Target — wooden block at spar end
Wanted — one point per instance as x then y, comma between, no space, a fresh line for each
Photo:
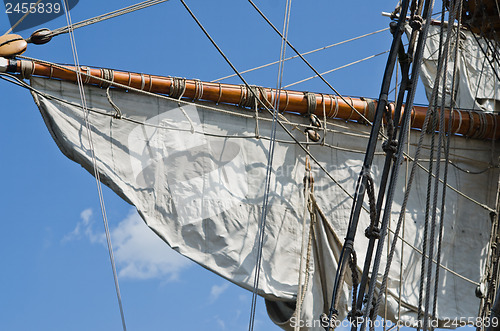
12,45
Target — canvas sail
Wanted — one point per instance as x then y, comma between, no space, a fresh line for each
196,176
476,83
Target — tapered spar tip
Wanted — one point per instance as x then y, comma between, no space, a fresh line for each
12,45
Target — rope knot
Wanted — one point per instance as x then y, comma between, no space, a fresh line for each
327,321
416,22
372,232
354,316
390,146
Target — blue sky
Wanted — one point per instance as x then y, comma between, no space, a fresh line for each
55,267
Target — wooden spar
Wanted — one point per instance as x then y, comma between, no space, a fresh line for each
473,124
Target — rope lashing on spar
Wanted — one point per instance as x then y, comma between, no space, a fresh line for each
177,88
251,95
27,68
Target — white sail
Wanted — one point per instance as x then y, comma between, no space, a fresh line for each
476,83
196,175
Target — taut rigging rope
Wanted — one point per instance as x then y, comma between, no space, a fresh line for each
100,18
303,54
95,166
270,157
395,170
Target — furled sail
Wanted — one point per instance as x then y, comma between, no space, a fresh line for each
196,174
476,79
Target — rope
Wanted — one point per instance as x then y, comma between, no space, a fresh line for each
270,151
177,90
353,265
309,267
457,9
94,161
257,131
104,17
372,231
296,56
115,107
390,194
304,60
335,69
307,193
428,239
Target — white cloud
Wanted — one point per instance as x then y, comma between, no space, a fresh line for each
217,290
84,228
222,325
139,252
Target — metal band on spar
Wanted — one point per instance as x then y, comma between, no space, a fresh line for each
472,124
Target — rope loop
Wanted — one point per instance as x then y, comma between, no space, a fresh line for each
88,74
220,94
109,76
198,90
249,96
470,131
263,97
118,113
177,88
370,114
